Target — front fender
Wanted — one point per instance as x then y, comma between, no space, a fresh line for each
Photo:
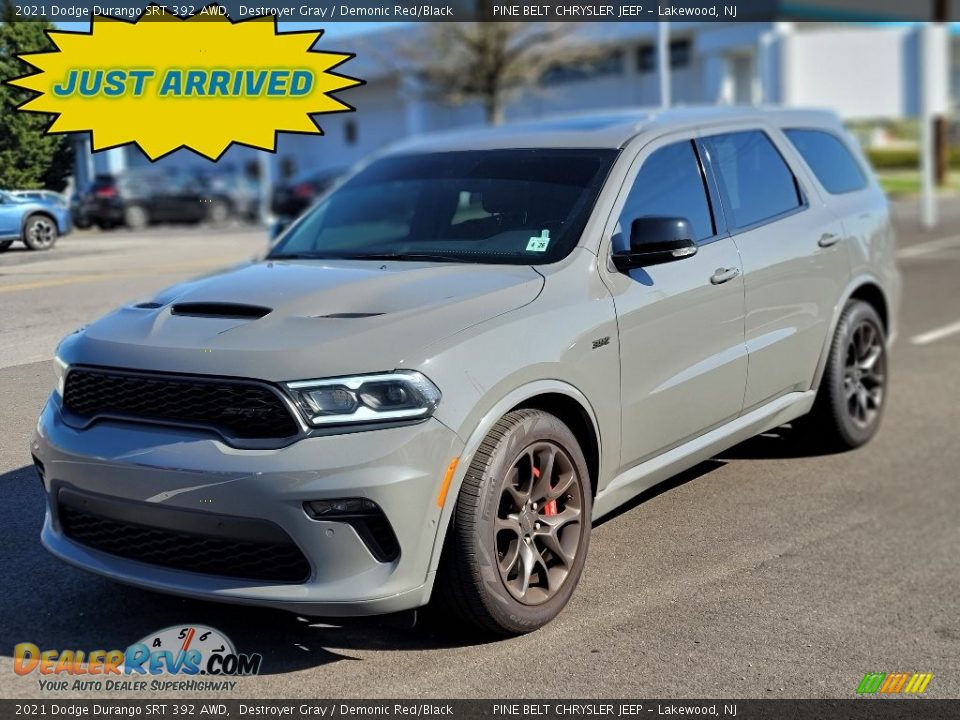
506,403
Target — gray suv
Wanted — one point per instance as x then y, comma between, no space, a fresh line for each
466,352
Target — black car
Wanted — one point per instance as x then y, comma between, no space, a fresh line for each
139,199
297,194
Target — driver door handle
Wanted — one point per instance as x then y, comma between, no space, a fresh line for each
828,239
722,275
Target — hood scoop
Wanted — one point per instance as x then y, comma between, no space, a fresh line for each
228,311
348,315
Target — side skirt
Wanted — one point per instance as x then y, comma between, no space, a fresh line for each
647,474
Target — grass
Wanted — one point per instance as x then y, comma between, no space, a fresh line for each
899,183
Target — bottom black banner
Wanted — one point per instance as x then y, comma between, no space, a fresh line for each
854,709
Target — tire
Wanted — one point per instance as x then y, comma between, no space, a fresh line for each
39,232
5,245
135,217
853,390
218,213
497,537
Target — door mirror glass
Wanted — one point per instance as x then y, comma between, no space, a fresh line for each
657,240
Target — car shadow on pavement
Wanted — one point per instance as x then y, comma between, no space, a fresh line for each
53,605
781,443
682,478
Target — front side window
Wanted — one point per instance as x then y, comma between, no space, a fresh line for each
831,161
669,184
756,183
518,206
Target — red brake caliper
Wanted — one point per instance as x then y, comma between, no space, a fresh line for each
549,508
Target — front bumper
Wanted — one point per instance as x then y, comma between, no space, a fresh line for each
155,468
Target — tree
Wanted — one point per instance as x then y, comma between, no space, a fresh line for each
487,62
28,157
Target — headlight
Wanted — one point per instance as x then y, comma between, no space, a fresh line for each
379,397
59,365
59,374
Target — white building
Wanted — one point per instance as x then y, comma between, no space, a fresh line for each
862,71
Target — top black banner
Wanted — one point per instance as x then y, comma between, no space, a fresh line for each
405,11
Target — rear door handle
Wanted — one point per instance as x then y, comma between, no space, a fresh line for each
828,239
722,275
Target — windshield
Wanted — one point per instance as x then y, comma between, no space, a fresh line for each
486,206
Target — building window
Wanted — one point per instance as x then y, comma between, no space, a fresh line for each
350,132
681,51
610,63
647,59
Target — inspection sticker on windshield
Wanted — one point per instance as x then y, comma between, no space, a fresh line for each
539,244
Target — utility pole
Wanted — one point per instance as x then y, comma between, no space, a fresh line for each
663,62
941,144
932,83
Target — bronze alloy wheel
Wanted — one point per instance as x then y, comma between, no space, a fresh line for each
864,373
520,530
853,389
537,531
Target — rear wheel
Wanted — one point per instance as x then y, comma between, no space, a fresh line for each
853,390
39,232
218,213
518,538
135,217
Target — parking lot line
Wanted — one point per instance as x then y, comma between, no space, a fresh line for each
928,247
936,334
93,277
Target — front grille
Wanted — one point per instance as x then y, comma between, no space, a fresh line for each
228,557
236,409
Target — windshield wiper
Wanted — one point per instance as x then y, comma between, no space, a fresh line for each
300,256
405,256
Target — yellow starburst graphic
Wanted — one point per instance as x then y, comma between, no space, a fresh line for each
202,82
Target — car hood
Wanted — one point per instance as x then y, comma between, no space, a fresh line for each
285,320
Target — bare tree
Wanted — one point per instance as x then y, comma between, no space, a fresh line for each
487,62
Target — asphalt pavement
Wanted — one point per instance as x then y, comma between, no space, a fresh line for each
760,573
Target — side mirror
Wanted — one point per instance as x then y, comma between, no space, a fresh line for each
656,240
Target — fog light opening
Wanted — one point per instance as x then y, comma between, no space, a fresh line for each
365,517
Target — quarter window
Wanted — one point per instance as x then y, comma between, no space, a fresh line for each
669,184
831,161
755,182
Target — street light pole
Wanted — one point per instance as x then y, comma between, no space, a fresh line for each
663,62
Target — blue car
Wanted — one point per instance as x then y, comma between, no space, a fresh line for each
36,224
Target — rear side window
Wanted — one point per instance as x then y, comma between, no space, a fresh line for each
669,184
756,183
831,161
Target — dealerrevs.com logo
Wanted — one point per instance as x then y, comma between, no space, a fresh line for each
187,651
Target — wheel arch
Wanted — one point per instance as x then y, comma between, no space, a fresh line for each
871,293
554,396
869,289
576,417
37,213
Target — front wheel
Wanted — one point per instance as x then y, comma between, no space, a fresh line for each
518,538
853,390
39,233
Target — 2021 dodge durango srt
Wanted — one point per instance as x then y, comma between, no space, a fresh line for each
472,348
